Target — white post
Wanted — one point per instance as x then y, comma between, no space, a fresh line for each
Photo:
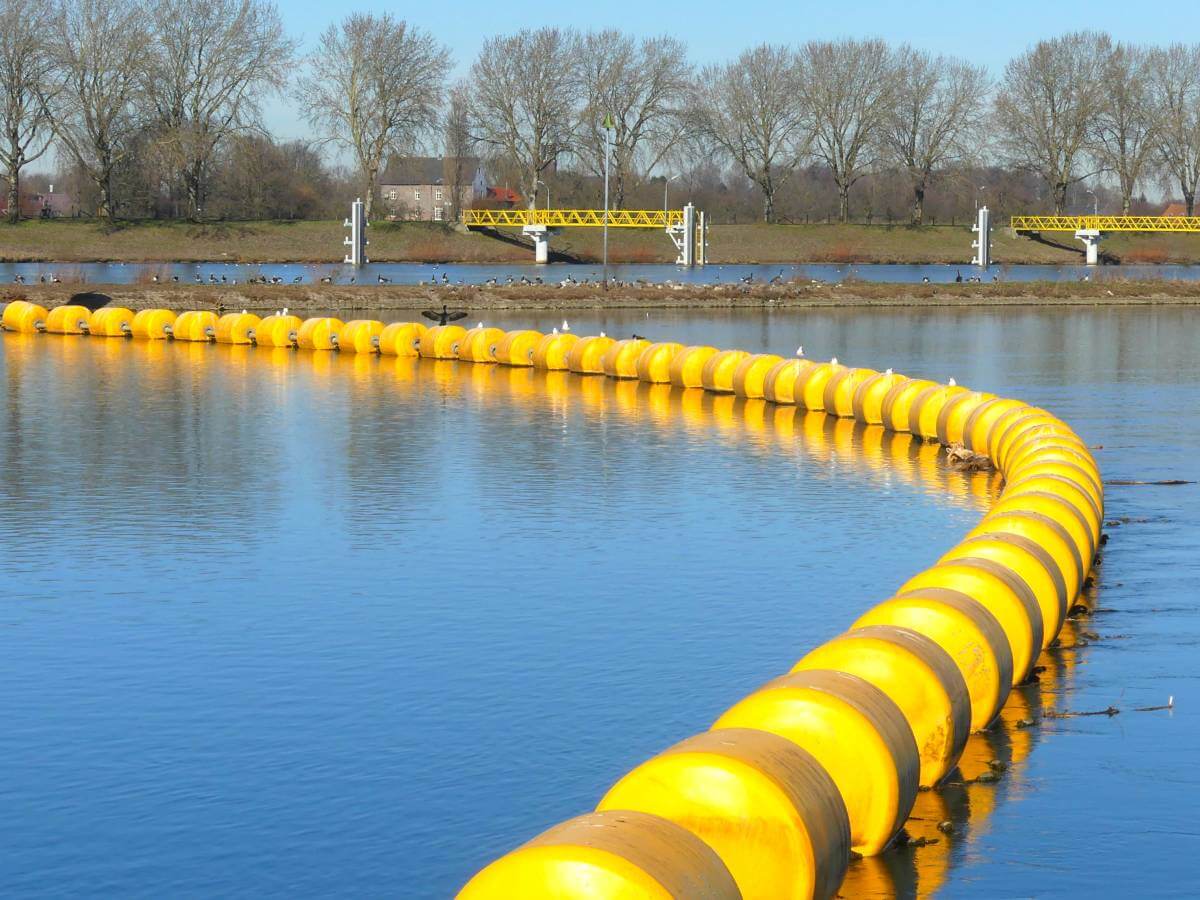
701,239
983,243
688,256
357,241
1091,238
541,242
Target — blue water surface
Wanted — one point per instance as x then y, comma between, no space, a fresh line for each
305,624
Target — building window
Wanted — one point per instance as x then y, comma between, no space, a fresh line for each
437,214
437,194
392,194
416,193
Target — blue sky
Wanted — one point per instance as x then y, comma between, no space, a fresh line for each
989,33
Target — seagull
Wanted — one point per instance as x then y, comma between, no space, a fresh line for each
565,326
952,382
888,372
478,324
285,311
800,350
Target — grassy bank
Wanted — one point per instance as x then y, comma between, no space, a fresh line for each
66,241
349,302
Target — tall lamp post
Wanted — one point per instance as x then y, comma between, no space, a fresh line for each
608,130
547,187
1095,202
665,183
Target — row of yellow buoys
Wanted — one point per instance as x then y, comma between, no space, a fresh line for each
823,761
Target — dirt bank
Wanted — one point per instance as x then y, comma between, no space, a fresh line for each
345,300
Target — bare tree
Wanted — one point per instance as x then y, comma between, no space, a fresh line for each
457,145
933,120
750,109
25,69
98,47
209,65
846,89
1048,103
525,93
1124,135
374,86
640,87
1175,83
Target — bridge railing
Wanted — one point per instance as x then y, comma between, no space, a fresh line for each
565,218
1170,224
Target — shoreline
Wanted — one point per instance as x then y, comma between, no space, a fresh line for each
343,298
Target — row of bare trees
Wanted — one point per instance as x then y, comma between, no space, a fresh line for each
177,81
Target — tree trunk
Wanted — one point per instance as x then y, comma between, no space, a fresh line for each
843,203
1189,199
1060,197
14,196
918,214
769,204
372,174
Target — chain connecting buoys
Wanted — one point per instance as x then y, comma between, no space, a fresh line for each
552,351
479,344
277,330
236,327
919,677
769,810
618,853
586,356
195,325
967,632
70,319
360,336
771,801
111,321
24,317
516,347
401,339
654,363
856,733
621,359
319,333
154,324
688,365
750,376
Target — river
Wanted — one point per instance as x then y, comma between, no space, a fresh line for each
284,624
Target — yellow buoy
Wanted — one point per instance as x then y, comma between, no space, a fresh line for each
277,330
780,384
360,336
654,364
926,406
688,365
981,421
1058,510
620,360
586,357
401,339
750,377
552,351
111,321
153,324
810,385
1047,533
768,809
479,344
195,325
856,733
952,420
516,347
898,401
867,404
23,316
69,319
236,327
919,677
967,632
1002,593
441,341
838,398
319,333
1068,489
612,854
1088,480
717,374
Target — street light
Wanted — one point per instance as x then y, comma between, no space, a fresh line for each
1095,202
665,183
536,182
978,190
608,130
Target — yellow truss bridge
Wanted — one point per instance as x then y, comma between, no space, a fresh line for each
573,218
1165,224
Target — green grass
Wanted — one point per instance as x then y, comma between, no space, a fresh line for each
66,241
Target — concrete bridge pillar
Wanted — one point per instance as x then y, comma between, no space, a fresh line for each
1091,238
541,242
